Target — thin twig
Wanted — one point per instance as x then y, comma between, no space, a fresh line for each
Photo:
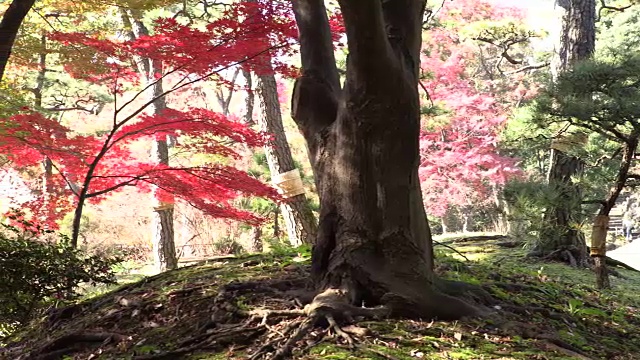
448,246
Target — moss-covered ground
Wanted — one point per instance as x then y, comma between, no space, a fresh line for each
541,311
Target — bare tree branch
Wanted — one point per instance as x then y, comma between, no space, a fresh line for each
604,6
9,26
528,67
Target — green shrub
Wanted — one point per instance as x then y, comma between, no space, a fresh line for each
36,273
279,247
227,246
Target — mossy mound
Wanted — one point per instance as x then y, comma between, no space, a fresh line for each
541,311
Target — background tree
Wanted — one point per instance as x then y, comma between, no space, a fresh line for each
601,97
9,26
299,220
577,43
90,159
471,94
164,249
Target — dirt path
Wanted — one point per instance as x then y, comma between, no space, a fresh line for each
628,254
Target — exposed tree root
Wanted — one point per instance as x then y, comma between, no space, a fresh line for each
332,309
528,331
479,238
70,343
237,335
530,310
614,262
459,289
568,352
329,307
566,255
510,244
563,255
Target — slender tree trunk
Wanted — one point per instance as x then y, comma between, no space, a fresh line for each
276,223
256,239
47,165
577,42
299,220
77,221
47,186
164,248
9,26
601,223
163,237
374,242
466,218
298,217
502,222
249,100
225,101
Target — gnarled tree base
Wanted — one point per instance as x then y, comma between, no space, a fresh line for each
574,256
332,308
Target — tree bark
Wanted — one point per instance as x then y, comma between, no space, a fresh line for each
443,223
9,26
298,218
465,212
578,36
374,241
47,164
276,223
163,237
577,42
249,100
563,217
601,225
256,239
164,247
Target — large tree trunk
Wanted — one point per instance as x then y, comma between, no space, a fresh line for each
578,36
374,241
9,26
577,42
298,217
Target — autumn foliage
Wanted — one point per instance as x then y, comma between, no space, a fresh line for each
460,159
90,166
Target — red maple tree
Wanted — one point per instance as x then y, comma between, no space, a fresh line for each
460,158
90,166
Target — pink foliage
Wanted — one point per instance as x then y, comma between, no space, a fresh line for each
460,158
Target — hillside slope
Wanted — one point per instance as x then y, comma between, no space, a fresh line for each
540,311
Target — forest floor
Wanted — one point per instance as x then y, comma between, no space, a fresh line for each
204,311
